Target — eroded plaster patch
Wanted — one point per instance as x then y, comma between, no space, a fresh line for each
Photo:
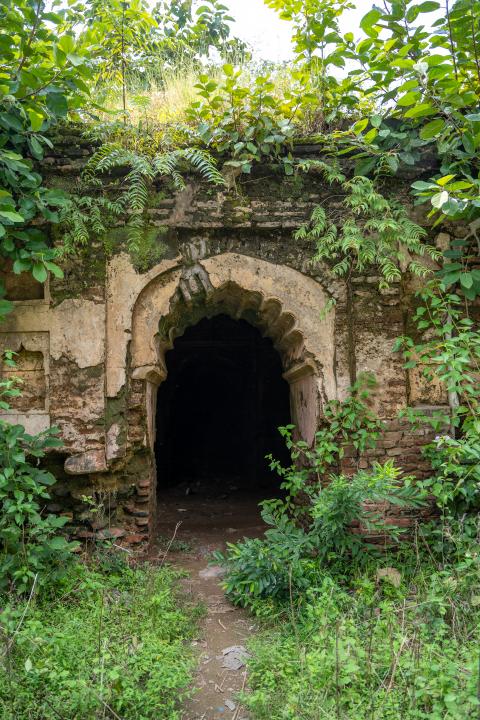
77,332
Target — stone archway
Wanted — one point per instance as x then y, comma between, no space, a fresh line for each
145,313
281,302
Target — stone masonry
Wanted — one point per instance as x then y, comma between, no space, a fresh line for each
91,347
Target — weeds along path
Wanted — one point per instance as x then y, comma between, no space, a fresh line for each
207,524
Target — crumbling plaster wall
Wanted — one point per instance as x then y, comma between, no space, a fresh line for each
103,340
71,339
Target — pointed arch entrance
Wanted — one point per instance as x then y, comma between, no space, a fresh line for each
280,303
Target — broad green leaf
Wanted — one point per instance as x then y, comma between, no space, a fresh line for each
409,85
409,99
369,20
432,129
370,136
58,543
39,272
364,166
12,216
392,162
439,199
450,278
36,120
422,185
444,180
459,185
428,6
66,43
466,280
35,148
75,60
360,126
57,104
20,266
468,143
422,110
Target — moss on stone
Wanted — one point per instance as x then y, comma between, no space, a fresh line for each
150,249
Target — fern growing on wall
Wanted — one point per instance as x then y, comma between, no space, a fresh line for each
87,215
95,213
141,172
368,231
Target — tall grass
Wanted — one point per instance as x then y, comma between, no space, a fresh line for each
163,95
155,98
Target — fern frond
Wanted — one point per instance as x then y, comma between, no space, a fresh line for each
99,156
331,172
137,192
301,233
419,269
204,163
390,270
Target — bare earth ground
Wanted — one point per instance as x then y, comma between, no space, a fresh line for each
207,523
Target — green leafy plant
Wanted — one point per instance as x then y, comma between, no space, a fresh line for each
447,349
30,544
349,422
370,231
398,639
458,269
320,51
291,559
119,32
455,484
31,548
186,32
43,78
105,640
247,122
313,526
431,77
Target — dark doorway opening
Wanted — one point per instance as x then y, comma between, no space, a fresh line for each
218,414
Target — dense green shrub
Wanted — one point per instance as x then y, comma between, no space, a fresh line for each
312,526
31,548
291,559
108,641
373,651
246,120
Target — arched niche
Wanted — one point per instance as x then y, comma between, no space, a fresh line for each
283,303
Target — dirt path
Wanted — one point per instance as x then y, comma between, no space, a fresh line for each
206,525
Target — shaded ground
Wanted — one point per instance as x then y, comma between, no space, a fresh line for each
208,520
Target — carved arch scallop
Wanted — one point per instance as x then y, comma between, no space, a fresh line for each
283,303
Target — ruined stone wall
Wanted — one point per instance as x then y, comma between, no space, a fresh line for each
91,347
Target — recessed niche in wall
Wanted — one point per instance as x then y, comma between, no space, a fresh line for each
31,368
30,371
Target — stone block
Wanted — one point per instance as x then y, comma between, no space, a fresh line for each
111,533
92,461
